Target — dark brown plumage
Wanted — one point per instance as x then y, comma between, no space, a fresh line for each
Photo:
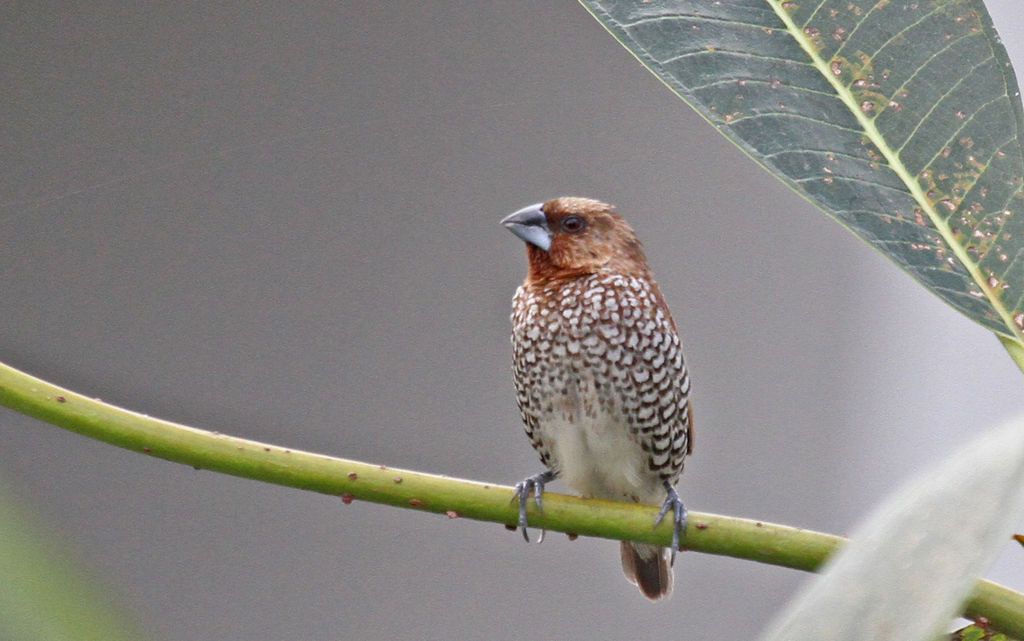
598,368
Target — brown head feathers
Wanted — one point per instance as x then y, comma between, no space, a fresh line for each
583,236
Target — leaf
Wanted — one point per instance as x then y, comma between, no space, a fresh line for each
976,633
910,565
45,595
900,119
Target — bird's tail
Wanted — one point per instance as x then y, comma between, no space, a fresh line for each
648,567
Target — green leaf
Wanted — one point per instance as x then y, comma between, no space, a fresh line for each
45,595
900,119
910,565
976,633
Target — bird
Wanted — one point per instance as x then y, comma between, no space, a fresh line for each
600,379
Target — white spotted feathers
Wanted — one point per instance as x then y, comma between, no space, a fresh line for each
598,359
599,372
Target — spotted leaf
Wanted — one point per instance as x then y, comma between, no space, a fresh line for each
900,119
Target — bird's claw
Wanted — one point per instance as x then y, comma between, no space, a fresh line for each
523,488
673,502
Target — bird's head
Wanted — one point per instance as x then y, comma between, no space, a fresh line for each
571,237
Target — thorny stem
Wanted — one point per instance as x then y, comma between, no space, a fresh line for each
740,538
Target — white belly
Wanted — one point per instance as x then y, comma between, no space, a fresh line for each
597,456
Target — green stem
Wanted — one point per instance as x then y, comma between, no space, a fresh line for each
1003,607
352,480
1015,348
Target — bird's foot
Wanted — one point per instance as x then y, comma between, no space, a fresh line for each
535,484
673,502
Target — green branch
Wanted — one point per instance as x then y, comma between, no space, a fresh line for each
354,480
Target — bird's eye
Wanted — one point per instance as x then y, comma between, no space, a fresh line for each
573,224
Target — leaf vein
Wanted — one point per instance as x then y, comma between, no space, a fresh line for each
853,179
894,36
966,121
935,105
798,116
760,81
731,52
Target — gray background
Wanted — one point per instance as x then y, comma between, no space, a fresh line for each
281,223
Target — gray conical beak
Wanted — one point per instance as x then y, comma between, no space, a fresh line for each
531,225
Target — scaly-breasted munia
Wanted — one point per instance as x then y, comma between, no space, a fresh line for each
599,372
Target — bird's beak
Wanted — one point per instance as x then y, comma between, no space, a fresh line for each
531,225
